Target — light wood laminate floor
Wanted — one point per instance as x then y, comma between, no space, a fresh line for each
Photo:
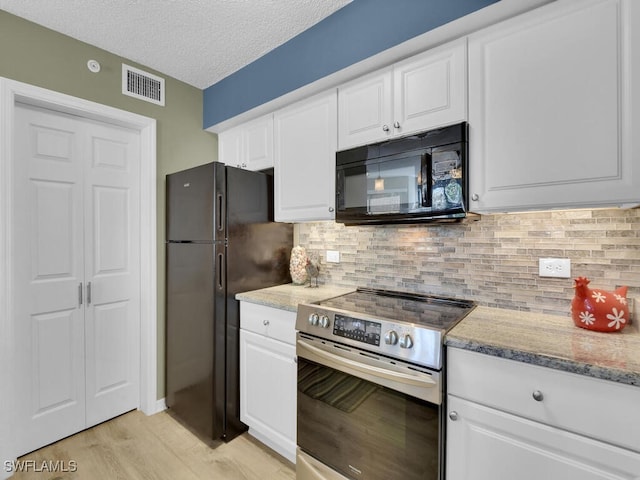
134,446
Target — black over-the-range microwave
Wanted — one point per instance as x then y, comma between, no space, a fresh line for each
413,179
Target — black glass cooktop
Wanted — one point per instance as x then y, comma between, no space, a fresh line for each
425,310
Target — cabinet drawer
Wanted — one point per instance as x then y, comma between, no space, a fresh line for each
268,321
601,409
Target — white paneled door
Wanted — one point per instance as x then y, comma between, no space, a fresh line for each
76,278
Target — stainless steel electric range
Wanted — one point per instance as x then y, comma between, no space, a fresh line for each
370,385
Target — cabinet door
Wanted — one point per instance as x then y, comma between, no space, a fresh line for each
487,444
230,147
548,109
258,144
365,110
305,156
268,391
249,145
430,90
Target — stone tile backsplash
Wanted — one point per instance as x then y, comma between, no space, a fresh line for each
493,261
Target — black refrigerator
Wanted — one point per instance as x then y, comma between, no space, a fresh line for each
221,240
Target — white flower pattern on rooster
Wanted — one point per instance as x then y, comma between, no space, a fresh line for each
620,298
587,318
617,318
599,296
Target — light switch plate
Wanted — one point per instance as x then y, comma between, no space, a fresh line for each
333,256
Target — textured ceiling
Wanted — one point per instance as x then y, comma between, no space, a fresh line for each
196,41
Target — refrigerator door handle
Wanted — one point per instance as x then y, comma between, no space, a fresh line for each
220,271
220,212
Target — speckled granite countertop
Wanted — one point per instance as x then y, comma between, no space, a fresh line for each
287,297
550,341
546,340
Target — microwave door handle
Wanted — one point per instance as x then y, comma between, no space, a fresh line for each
335,361
426,167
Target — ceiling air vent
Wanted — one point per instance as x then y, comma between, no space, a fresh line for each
142,85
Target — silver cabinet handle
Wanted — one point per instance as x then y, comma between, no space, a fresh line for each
538,396
88,293
244,165
396,124
475,197
385,128
80,294
331,209
265,322
453,416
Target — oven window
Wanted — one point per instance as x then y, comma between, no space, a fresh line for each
364,430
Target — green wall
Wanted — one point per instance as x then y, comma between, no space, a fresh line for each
36,55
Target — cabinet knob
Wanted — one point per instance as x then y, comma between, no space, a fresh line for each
385,128
396,124
265,322
331,209
537,396
453,415
244,165
475,197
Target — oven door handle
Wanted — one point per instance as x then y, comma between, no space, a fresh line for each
340,363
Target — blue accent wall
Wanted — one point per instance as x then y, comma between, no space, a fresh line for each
359,30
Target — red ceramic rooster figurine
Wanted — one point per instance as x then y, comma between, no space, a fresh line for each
599,310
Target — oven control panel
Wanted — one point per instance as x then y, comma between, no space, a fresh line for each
357,329
396,339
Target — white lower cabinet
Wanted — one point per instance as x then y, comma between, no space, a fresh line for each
489,444
509,420
268,373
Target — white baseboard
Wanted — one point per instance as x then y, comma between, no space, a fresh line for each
159,406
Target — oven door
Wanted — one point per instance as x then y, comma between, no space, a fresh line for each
356,415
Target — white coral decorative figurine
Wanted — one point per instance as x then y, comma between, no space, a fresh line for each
297,265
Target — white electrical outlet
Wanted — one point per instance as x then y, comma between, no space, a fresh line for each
333,256
554,267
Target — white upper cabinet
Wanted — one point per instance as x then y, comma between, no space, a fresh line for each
305,158
551,108
422,92
249,145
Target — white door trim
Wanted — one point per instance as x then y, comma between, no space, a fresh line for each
11,92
